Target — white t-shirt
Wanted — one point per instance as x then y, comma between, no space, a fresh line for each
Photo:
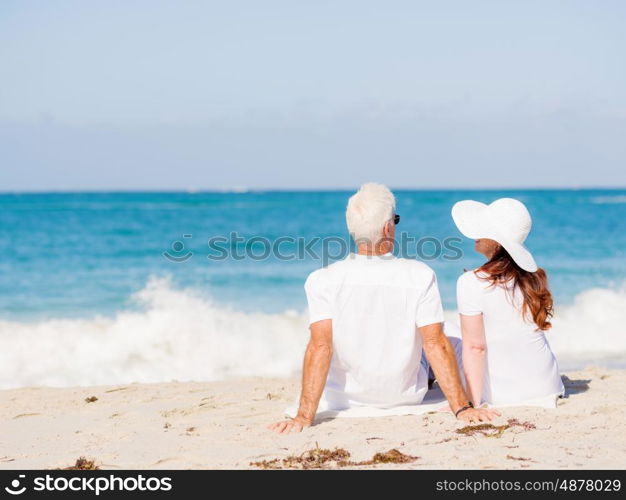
520,366
375,303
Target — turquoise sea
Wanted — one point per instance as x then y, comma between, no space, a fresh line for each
116,287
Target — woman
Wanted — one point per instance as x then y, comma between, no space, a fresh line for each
505,307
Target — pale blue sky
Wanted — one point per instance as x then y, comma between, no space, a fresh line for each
311,94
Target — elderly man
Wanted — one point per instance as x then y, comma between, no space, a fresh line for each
372,315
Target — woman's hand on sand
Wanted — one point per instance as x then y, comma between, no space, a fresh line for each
477,415
286,426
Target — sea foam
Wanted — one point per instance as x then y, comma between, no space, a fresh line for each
182,335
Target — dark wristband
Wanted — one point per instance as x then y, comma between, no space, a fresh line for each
463,408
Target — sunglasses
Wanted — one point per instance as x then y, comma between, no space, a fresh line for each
396,219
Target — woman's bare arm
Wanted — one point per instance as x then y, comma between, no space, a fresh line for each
474,350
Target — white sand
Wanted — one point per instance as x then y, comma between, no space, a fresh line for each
222,425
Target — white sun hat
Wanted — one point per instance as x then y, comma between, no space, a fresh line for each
506,221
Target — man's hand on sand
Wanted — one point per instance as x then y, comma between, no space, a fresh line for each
477,415
286,426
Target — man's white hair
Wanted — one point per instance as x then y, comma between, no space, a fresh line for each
368,211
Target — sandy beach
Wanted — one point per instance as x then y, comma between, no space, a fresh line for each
181,425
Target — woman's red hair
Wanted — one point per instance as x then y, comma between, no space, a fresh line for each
501,269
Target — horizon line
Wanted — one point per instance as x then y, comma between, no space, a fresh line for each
243,190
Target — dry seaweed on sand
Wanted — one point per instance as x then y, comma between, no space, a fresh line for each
519,459
26,415
83,464
115,389
319,458
316,458
392,456
490,430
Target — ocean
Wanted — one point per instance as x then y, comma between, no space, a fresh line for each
103,288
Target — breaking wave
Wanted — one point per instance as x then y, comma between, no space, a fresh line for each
181,335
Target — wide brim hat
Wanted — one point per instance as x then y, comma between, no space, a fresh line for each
506,221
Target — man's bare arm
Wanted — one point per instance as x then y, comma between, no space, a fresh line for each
441,357
314,372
